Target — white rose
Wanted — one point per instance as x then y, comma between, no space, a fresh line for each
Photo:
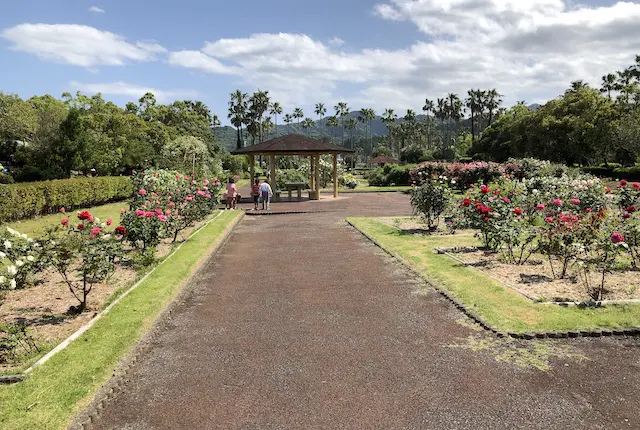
2,280
19,263
30,258
2,255
24,236
12,270
96,220
7,244
106,237
30,240
12,284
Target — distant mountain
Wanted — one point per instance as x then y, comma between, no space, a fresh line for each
534,106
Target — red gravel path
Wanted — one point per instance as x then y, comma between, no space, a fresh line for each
300,323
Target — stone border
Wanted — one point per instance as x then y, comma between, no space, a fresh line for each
632,331
117,382
264,213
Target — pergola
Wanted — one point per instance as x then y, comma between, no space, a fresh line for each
295,145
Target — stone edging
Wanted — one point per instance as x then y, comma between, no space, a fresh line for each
633,331
264,213
117,382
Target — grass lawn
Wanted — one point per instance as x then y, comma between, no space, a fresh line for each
501,307
54,392
35,227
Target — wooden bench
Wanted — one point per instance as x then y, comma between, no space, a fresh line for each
298,186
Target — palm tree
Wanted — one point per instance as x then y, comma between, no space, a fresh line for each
320,111
429,107
389,119
351,124
298,113
410,116
215,123
307,124
369,115
342,110
288,119
259,104
275,110
474,102
267,125
608,84
333,123
493,101
237,113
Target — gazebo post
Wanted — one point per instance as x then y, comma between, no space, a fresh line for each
313,183
335,175
252,169
274,181
317,180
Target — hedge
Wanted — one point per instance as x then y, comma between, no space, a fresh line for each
628,173
25,200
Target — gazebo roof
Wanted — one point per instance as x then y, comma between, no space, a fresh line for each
383,159
292,144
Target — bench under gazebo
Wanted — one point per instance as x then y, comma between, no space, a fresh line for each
295,145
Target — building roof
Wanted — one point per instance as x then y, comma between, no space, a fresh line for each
383,159
292,144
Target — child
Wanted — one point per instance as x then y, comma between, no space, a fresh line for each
232,191
266,193
255,192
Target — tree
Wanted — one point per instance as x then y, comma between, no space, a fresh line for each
298,114
342,110
288,119
307,124
320,111
333,123
351,124
258,106
237,113
187,154
276,110
493,100
389,119
608,84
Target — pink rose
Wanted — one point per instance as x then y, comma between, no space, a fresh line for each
95,230
539,207
162,218
167,212
575,201
617,238
109,221
140,213
557,202
172,204
150,214
589,210
142,192
65,222
62,210
158,211
548,220
208,196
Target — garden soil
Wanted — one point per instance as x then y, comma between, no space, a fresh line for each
299,322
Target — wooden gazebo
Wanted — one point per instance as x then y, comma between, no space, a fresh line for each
296,145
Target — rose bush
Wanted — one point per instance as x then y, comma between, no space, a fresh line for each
22,256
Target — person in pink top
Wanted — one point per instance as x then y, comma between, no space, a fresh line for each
232,192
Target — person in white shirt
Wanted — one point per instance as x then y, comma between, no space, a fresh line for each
265,193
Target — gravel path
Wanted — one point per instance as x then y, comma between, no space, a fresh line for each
300,323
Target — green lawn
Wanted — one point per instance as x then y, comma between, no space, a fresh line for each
35,227
501,307
364,187
54,392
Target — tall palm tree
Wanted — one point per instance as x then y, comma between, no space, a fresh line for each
215,123
342,110
369,115
608,84
259,105
298,114
493,100
320,111
389,119
275,110
410,116
288,119
351,124
333,123
307,124
429,107
474,103
237,113
267,125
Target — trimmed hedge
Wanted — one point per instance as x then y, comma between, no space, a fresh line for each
628,173
25,200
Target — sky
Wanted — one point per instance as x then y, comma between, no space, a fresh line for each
379,54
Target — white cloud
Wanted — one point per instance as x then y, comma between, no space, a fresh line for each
96,9
528,50
133,91
336,41
79,45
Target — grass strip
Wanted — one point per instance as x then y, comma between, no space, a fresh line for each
499,306
54,392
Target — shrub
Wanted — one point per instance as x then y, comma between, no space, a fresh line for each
26,200
390,174
83,254
348,181
289,175
24,257
430,201
15,339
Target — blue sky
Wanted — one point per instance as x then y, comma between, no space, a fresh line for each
391,53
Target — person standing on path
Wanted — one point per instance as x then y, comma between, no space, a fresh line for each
265,193
255,193
232,191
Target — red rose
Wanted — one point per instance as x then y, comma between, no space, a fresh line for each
80,227
617,238
121,230
517,211
636,185
548,220
623,182
485,219
631,209
65,222
109,221
626,215
466,202
484,189
85,215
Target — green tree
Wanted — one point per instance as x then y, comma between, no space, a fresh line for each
307,124
320,111
298,114
237,114
275,110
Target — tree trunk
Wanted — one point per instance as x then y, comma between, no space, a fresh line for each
473,128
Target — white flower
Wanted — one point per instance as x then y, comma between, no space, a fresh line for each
7,244
106,237
53,243
30,240
103,225
2,280
13,232
2,255
12,284
19,263
12,270
24,236
453,181
96,220
30,258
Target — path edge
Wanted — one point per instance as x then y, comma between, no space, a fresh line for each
630,331
83,419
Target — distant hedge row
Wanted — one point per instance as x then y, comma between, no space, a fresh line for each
628,173
25,200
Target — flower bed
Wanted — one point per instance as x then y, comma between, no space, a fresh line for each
55,283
